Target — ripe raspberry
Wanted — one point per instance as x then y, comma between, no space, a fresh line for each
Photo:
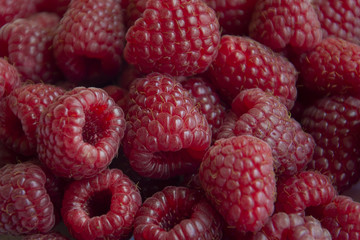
134,10
334,124
163,128
27,44
9,78
11,10
89,41
288,22
261,115
45,236
305,189
238,177
180,38
331,67
339,18
177,213
25,205
342,218
234,15
101,207
243,63
20,113
80,133
284,226
208,101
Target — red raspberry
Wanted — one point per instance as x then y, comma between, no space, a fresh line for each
80,133
261,115
334,124
331,67
177,213
25,204
339,18
28,45
238,177
134,11
101,207
305,189
20,113
163,128
89,41
180,38
9,78
243,63
342,218
207,100
234,15
289,22
45,236
283,226
11,10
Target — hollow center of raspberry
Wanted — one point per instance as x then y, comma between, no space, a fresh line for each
172,218
99,203
95,126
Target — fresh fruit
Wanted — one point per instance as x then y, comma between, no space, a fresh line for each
179,38
238,178
243,63
11,10
164,128
79,134
9,78
177,213
89,41
101,207
285,22
20,114
25,204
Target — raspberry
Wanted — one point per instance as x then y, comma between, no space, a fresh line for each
27,44
180,38
238,177
163,128
20,113
80,133
45,236
284,226
243,63
342,218
339,18
25,205
134,10
334,124
11,10
9,78
208,101
89,41
234,15
305,189
101,207
281,23
177,213
261,115
331,67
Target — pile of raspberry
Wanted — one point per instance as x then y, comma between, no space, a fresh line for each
180,119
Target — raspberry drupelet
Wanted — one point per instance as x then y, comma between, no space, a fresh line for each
177,213
285,22
238,178
166,134
20,114
260,114
26,207
243,63
101,207
89,41
179,38
79,134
